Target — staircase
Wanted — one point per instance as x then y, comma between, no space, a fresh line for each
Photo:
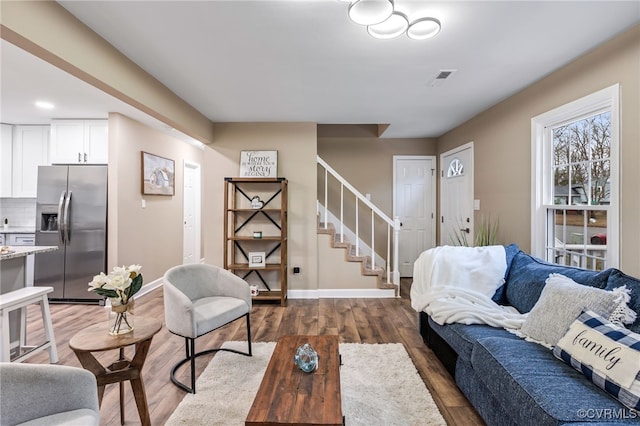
368,269
377,270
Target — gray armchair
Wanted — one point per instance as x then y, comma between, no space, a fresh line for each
47,395
199,299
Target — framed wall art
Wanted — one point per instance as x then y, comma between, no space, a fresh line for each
158,175
258,163
257,259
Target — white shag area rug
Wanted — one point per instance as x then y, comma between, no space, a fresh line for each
380,386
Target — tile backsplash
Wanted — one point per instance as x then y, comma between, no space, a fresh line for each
19,211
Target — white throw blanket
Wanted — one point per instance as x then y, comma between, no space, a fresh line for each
455,284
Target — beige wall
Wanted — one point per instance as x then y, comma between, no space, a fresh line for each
296,146
502,137
365,160
151,236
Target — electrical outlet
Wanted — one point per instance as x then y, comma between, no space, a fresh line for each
296,269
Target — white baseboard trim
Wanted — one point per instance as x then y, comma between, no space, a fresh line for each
146,289
342,294
336,293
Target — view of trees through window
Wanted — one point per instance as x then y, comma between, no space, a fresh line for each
581,170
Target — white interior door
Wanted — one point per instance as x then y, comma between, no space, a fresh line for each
456,195
191,233
414,204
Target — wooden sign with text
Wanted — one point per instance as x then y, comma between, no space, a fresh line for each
259,163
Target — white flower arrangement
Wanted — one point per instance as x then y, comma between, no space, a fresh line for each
120,285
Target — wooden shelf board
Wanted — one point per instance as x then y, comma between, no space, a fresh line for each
245,267
255,210
249,238
255,179
268,295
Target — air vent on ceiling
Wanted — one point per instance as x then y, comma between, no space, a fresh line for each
441,77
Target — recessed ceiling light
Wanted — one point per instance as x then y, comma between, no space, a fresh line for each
45,105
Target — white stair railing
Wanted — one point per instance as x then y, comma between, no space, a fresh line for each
393,225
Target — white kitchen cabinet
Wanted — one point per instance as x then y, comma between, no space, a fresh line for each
21,239
79,142
6,155
24,240
30,150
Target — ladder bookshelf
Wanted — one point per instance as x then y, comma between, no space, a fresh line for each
255,234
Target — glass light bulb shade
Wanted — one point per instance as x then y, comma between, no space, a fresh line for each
423,28
370,12
391,28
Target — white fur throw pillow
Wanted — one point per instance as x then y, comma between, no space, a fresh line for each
561,302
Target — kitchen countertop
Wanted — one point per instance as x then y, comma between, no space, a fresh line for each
21,251
18,230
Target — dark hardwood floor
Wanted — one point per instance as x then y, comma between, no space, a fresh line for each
354,320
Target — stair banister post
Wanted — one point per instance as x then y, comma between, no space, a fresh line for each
342,213
373,240
357,230
388,266
326,204
396,243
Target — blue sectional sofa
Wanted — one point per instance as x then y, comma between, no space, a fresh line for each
511,381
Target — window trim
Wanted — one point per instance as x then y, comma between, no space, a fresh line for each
541,158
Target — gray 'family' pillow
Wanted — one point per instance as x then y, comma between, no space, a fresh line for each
561,302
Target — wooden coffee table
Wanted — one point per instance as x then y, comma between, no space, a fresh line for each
287,395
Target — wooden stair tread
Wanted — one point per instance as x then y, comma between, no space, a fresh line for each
350,256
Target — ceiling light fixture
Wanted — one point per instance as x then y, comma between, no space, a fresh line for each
391,28
423,28
45,105
384,22
370,12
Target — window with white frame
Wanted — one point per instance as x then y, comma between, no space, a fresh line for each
575,182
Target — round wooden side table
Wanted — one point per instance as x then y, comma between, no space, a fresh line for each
97,339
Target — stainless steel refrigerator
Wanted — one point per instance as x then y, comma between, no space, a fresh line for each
71,213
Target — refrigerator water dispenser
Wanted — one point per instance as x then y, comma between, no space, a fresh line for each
49,222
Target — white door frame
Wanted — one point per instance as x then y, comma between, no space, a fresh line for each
197,208
442,170
432,158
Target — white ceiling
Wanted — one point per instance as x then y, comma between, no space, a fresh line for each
304,60
26,79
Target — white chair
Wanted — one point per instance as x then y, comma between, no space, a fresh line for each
47,395
199,299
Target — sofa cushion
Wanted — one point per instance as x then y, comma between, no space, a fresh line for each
527,276
560,303
489,408
618,279
607,354
462,337
532,385
510,252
